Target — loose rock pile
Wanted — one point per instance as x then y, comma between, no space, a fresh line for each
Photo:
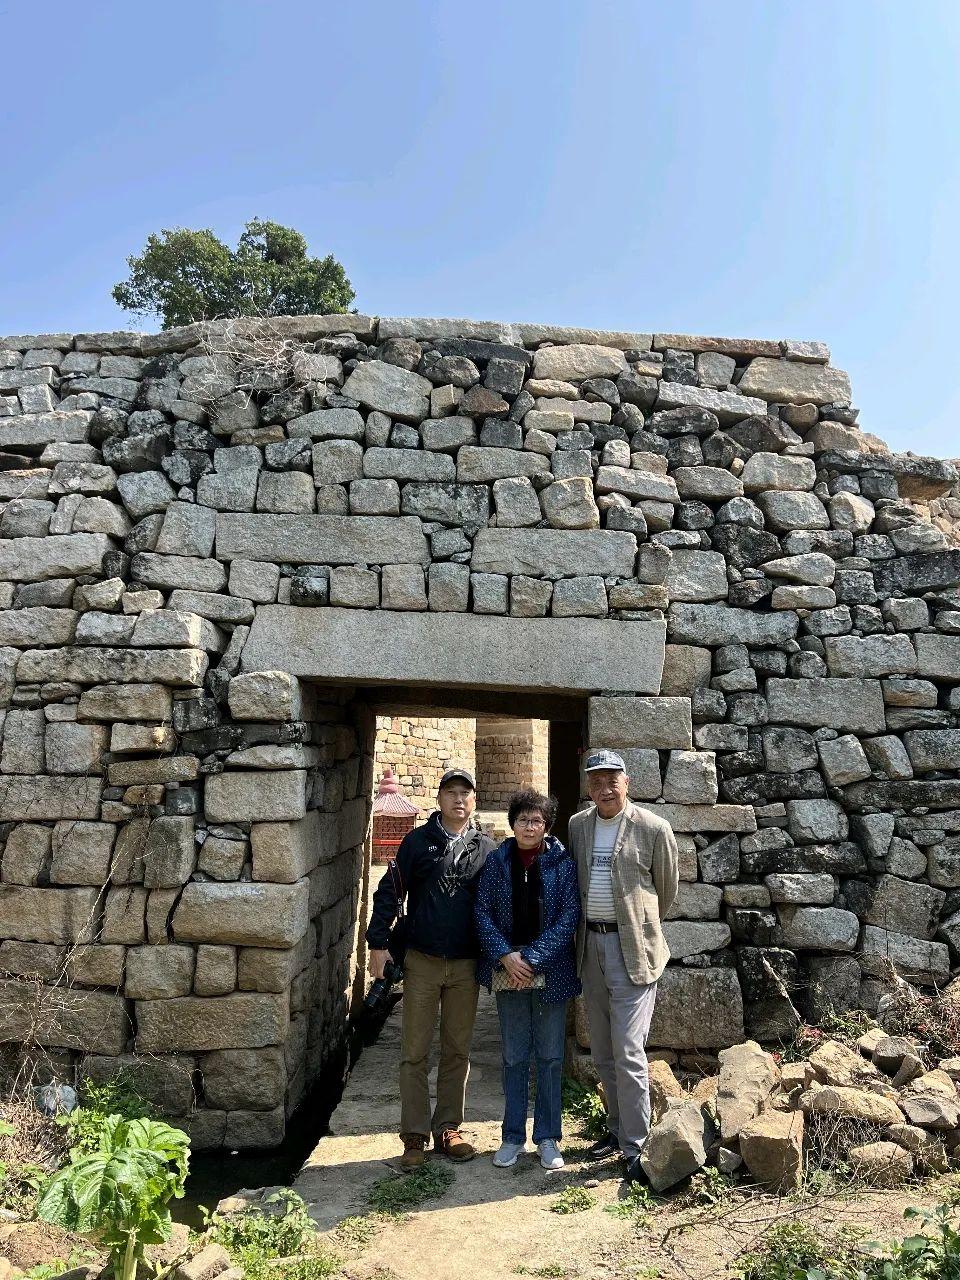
875,1108
183,818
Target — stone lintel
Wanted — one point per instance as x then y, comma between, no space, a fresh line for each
357,646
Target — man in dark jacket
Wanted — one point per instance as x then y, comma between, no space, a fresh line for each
439,867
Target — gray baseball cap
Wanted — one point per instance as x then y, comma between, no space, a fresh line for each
452,775
603,760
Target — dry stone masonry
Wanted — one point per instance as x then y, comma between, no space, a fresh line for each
420,749
203,554
511,753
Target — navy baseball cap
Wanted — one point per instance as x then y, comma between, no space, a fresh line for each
452,775
603,760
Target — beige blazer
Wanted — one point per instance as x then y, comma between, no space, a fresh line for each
645,870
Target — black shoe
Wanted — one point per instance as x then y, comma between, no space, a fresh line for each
635,1173
607,1146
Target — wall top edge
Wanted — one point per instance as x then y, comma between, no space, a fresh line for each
311,328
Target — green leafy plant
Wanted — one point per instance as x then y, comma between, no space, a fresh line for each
119,1194
57,1266
184,275
85,1124
638,1204
396,1195
799,1251
281,1243
932,1254
573,1200
585,1107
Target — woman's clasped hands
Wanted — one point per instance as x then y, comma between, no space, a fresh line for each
520,973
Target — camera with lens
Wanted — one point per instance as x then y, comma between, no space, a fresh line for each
379,993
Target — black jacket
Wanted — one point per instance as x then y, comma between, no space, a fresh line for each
440,900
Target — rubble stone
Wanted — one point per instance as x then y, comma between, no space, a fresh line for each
677,1146
772,1147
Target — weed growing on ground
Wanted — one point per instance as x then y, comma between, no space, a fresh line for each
821,1184
405,1191
637,1205
359,1230
932,1254
711,1187
585,1106
573,1200
20,1182
31,1148
551,1271
280,1244
57,1266
798,1251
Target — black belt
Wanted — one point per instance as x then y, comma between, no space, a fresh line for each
602,926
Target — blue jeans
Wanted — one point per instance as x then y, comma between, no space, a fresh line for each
531,1028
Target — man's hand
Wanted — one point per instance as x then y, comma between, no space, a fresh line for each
517,968
378,961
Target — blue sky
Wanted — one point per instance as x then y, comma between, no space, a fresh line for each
756,167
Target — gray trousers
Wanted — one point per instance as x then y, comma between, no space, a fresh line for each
619,1013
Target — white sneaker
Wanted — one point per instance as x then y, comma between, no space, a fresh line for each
507,1154
550,1157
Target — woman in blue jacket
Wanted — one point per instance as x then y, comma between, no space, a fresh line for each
527,911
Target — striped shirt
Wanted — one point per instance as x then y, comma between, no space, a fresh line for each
600,905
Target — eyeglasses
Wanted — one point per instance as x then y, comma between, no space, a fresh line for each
529,822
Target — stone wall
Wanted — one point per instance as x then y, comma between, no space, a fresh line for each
511,753
183,819
420,749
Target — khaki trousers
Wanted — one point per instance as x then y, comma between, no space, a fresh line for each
432,984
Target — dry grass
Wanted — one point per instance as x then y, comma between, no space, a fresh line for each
34,1139
827,1140
934,1020
252,356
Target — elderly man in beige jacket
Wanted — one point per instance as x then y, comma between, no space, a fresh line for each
627,865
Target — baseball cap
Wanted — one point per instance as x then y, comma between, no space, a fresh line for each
453,774
603,760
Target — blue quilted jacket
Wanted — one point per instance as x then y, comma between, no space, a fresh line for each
553,953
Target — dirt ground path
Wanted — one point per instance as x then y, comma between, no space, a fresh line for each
494,1223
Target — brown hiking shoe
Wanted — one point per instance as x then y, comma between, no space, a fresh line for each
414,1152
453,1146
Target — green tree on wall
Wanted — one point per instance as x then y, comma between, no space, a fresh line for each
185,275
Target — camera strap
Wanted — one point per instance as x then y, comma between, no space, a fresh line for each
396,880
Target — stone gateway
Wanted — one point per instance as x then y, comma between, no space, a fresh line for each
215,572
